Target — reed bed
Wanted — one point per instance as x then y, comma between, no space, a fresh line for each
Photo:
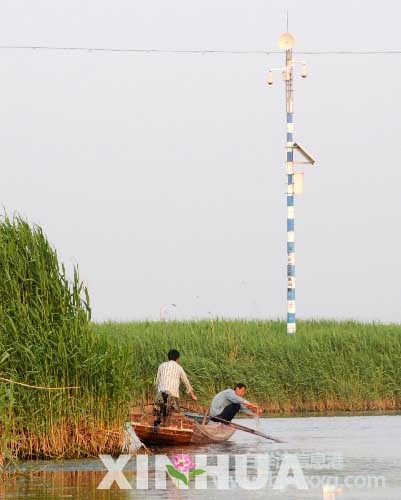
327,365
47,340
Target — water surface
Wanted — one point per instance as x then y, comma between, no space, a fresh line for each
362,447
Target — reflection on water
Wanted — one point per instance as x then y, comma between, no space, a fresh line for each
359,445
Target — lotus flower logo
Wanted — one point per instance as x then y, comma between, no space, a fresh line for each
183,463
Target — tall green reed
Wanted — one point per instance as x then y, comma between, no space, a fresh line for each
46,339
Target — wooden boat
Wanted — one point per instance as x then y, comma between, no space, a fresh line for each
179,429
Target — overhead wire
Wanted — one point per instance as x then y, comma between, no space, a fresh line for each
194,51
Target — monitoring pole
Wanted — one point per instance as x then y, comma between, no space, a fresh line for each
294,180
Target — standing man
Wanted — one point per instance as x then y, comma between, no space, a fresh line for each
169,375
226,404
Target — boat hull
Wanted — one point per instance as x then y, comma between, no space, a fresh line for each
178,430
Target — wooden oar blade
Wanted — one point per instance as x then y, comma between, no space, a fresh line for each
251,431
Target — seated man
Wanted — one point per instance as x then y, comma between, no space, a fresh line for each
226,404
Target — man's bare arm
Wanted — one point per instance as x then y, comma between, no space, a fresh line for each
190,391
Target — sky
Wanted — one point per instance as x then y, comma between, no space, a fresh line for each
162,176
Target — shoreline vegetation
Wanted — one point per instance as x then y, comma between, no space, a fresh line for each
325,366
47,339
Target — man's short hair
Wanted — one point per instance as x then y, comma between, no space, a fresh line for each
239,386
173,355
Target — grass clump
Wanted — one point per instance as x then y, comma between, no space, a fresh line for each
46,339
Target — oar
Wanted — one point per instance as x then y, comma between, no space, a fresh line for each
240,427
248,429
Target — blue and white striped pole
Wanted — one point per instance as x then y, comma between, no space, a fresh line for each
288,74
294,181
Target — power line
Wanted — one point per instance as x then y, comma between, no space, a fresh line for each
349,52
195,51
144,51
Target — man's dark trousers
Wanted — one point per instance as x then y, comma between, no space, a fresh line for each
229,412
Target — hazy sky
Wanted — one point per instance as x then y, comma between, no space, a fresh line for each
163,176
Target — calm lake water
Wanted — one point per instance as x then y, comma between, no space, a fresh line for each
362,454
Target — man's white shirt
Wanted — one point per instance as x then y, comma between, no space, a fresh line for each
168,378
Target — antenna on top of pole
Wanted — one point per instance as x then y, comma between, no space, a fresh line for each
294,180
